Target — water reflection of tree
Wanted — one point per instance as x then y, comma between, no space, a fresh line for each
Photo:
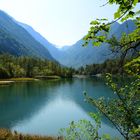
22,100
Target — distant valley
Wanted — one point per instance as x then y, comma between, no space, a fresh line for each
21,39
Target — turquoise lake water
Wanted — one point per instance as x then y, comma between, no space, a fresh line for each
43,107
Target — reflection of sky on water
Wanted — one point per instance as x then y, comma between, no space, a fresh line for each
55,115
45,107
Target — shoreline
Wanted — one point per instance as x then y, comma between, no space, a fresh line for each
4,82
27,79
6,134
13,80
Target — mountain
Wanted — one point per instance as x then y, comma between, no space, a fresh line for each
14,39
77,56
71,56
126,27
50,47
66,55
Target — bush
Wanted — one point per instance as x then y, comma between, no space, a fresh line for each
4,73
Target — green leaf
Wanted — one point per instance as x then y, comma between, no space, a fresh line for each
94,22
117,14
135,2
96,44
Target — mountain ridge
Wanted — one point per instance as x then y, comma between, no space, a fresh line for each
77,56
51,47
21,40
71,56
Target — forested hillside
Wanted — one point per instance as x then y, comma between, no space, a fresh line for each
24,66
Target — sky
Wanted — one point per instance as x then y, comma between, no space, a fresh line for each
61,22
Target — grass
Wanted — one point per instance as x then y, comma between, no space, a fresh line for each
11,80
22,79
8,135
48,77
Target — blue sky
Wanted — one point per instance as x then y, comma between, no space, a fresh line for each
61,22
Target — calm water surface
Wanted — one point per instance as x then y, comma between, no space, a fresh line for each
44,107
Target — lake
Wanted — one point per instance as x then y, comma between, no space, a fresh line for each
43,107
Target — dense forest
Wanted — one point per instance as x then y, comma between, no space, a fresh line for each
24,66
109,66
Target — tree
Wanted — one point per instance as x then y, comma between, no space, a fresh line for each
3,73
18,71
124,111
25,66
84,130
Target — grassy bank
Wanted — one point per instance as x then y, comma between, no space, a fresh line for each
8,135
48,77
22,79
12,80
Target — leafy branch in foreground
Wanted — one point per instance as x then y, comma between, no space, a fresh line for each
100,27
84,130
123,111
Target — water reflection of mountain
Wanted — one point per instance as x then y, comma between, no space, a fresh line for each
23,100
19,101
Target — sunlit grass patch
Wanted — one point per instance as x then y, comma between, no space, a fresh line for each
8,135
